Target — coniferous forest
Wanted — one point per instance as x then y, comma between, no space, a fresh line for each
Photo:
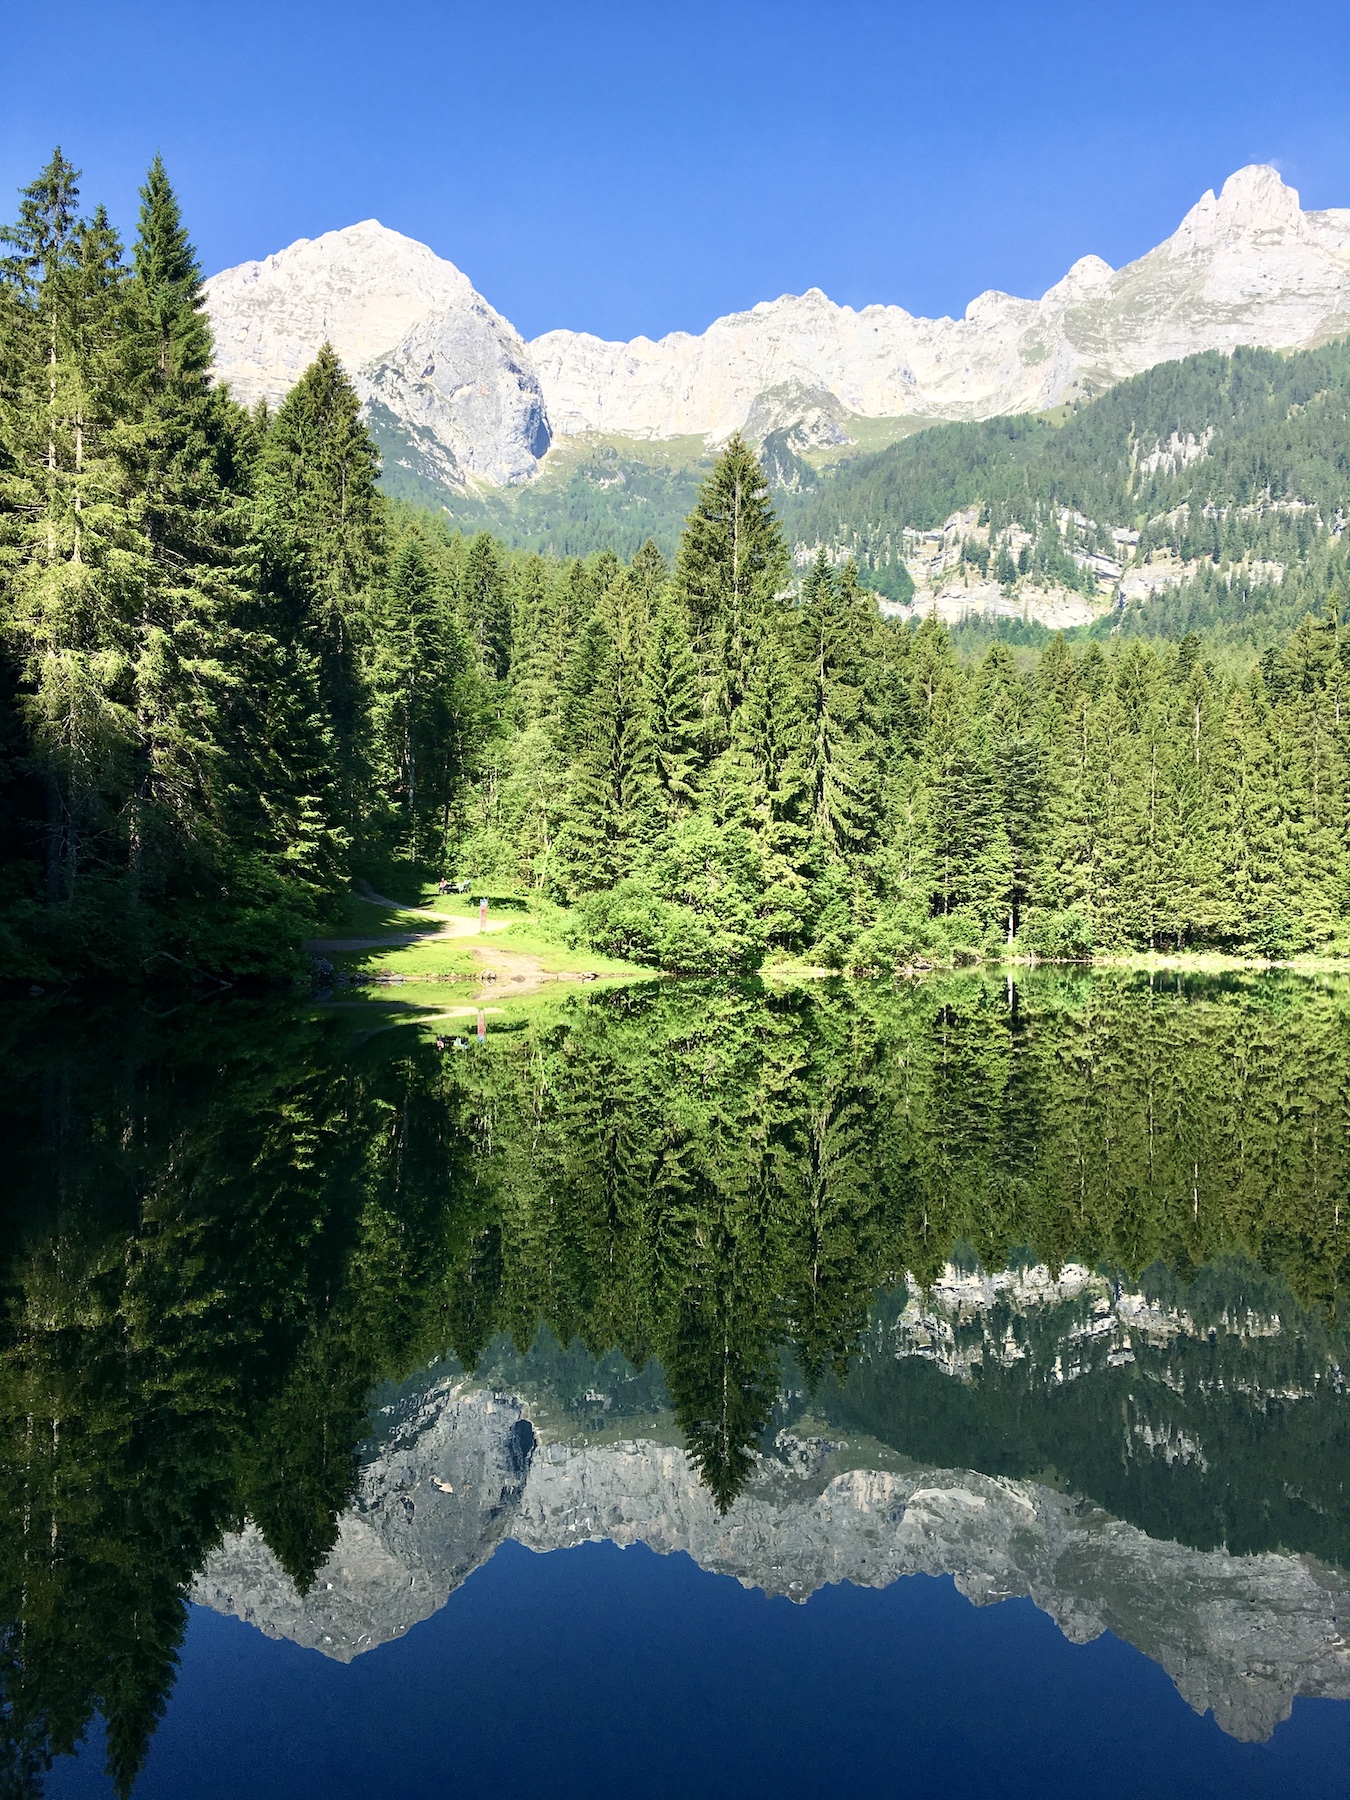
235,676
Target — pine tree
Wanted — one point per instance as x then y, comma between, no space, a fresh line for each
323,528
72,555
169,280
832,627
649,575
533,603
189,454
731,564
317,483
674,707
1250,828
487,606
420,676
614,805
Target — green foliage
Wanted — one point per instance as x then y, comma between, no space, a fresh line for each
233,673
223,673
1057,936
1231,459
220,1242
732,564
1053,802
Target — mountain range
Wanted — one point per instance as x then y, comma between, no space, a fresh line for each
460,401
1167,1395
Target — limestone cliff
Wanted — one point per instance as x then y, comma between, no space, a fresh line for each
1244,267
458,396
453,1471
420,344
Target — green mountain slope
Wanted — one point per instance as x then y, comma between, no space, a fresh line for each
1223,462
1234,471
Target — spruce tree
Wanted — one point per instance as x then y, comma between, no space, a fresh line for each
674,707
189,454
1250,833
732,563
169,281
765,779
317,483
74,560
833,625
486,605
533,601
324,533
649,574
420,678
614,806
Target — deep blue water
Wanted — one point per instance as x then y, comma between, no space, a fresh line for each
599,1672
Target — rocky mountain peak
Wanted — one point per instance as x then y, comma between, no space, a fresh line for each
455,394
1089,276
1252,202
446,378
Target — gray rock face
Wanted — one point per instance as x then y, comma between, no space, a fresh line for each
435,1501
416,339
1244,267
452,383
453,1472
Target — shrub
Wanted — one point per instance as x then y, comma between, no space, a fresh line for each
1064,936
634,921
898,939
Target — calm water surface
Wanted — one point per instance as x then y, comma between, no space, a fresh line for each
682,1391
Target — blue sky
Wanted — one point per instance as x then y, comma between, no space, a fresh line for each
643,167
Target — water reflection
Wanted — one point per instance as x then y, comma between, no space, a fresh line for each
616,1273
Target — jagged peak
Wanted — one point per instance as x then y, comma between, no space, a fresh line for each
1253,199
1089,275
1258,189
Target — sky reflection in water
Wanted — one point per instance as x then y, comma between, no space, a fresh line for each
1040,1288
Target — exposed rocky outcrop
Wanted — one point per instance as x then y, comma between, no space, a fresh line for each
458,396
453,1471
440,1489
1244,267
427,352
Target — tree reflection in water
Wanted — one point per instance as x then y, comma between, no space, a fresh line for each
227,1228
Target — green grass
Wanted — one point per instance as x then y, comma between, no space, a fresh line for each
363,918
539,932
445,956
567,454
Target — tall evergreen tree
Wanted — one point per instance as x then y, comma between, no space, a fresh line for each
674,707
72,556
487,605
732,563
324,534
614,806
833,626
189,455
421,678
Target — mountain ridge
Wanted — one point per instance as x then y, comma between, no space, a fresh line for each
455,1469
465,401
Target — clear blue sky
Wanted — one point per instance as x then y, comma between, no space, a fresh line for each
645,166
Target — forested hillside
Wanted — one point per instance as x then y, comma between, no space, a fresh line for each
235,675
1238,466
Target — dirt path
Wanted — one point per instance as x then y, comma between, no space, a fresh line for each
440,925
509,968
509,972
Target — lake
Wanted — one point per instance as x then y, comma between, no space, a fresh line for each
665,1389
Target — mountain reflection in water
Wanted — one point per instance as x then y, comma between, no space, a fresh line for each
1038,1283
